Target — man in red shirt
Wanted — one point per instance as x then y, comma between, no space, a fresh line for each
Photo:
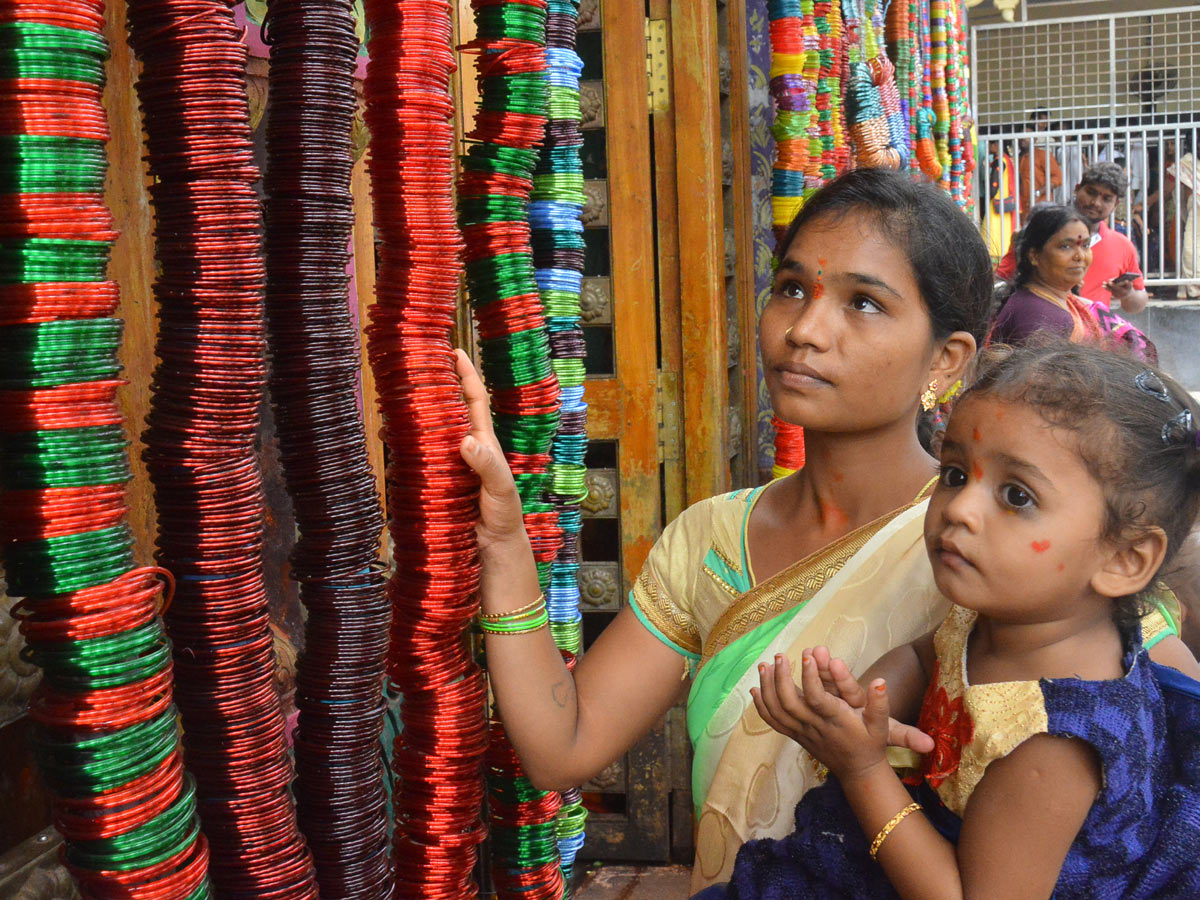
1113,254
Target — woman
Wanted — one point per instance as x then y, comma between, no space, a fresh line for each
1001,219
1184,173
1053,255
881,293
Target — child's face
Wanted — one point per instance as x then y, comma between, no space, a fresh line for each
1013,528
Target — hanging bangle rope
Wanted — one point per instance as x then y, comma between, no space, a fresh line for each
201,440
502,172
106,732
431,494
556,237
315,360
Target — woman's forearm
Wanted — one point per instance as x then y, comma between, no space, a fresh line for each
564,727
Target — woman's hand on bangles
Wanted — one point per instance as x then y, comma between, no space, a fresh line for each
500,521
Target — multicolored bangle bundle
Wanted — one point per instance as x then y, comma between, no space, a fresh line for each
201,441
106,733
556,220
438,793
500,173
315,362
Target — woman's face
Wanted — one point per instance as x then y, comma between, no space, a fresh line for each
846,339
1064,259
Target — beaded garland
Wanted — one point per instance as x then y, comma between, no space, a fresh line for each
106,732
201,440
500,172
315,361
556,234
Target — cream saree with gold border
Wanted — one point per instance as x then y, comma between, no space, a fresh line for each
861,596
867,593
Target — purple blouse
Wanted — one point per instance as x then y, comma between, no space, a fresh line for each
1025,314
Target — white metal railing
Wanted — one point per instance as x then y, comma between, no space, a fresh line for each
1052,96
1158,210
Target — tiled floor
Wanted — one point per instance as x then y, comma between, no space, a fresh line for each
612,882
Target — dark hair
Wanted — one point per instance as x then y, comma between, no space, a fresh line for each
1045,221
948,256
1106,175
1136,427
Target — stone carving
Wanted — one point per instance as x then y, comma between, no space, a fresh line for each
589,15
735,432
17,677
595,207
601,499
595,301
599,585
611,776
591,104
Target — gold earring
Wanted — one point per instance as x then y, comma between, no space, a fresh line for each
930,397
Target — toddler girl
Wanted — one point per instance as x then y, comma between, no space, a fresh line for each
1060,760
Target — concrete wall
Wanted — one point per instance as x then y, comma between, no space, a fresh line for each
1174,326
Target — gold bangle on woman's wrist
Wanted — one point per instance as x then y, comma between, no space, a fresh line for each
892,823
527,608
528,618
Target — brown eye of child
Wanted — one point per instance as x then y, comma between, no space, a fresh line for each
1016,497
953,476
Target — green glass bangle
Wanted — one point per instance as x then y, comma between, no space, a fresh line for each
521,625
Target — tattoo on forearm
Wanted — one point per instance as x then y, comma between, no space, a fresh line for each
562,691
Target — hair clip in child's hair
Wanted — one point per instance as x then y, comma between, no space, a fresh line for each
1151,384
1180,429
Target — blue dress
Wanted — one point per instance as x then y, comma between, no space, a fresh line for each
1140,840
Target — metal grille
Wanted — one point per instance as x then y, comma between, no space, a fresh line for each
1084,70
1061,94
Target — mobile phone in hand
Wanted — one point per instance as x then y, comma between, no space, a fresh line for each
1125,276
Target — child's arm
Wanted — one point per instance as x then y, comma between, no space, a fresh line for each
1019,823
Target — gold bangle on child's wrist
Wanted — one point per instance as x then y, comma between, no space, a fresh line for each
521,621
892,823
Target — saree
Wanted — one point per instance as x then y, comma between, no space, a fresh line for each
861,596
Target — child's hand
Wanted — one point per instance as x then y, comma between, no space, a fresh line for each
837,680
843,738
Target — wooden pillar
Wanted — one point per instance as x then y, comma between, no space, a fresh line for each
702,248
132,266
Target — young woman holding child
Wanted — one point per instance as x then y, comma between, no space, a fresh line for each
1061,762
881,295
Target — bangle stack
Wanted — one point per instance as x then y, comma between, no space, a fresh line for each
528,618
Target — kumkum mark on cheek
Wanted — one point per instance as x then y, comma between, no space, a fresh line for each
1040,546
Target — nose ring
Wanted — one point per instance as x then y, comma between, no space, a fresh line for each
789,331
